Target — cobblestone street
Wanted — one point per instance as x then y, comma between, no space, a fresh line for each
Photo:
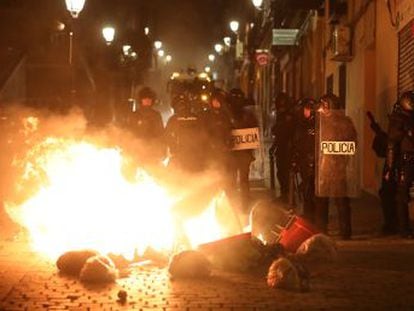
371,274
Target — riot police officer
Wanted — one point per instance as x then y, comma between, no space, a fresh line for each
333,178
146,125
388,189
186,136
241,159
282,132
218,126
303,149
400,154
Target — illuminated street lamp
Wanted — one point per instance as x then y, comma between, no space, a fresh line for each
168,58
160,53
109,34
157,44
74,7
234,26
126,49
211,57
227,41
218,48
146,31
257,3
207,69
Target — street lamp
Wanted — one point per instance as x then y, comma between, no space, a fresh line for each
168,58
211,57
108,33
207,69
257,3
161,53
126,49
227,41
157,44
234,26
74,7
218,48
146,31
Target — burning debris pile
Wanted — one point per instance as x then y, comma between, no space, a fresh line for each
82,189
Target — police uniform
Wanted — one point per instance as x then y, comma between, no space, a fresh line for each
282,132
146,125
332,174
387,191
241,159
303,149
400,154
186,137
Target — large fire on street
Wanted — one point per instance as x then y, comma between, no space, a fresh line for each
78,196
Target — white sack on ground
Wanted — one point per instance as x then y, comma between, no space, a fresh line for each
317,249
189,264
71,262
286,274
98,269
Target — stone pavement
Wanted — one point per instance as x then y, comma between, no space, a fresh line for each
371,274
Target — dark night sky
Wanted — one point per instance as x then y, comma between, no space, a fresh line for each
189,28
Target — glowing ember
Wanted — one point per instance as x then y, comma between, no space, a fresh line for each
76,197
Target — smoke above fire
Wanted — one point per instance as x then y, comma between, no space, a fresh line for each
75,186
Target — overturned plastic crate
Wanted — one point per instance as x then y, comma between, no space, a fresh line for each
296,231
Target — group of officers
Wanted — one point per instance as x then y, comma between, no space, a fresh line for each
323,180
299,132
195,139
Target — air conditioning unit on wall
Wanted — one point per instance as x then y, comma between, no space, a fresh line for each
341,42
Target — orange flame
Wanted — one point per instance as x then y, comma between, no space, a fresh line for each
79,198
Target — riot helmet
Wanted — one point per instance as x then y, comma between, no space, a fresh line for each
305,108
282,102
180,103
406,101
328,102
146,96
236,100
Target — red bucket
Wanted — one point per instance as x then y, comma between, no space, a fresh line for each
295,233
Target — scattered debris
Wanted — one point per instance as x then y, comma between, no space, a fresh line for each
288,274
71,263
264,216
98,269
317,249
189,264
122,296
296,231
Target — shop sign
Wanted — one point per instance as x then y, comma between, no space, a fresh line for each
262,57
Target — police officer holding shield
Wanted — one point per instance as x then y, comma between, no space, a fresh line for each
241,118
336,172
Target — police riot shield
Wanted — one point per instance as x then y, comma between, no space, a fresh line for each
337,150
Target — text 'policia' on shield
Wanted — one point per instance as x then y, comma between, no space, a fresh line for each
338,147
247,138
